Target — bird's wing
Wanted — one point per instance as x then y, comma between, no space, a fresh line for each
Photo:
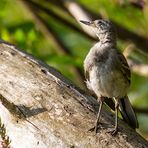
87,69
124,66
86,73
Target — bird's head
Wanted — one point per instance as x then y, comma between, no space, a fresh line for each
101,27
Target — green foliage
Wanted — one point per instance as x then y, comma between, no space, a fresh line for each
5,139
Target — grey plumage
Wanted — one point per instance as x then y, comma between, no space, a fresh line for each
107,72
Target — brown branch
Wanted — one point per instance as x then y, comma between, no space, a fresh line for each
140,4
137,67
141,110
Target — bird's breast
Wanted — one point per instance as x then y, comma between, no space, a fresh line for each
106,81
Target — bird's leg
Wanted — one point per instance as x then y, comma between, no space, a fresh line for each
116,118
101,100
115,130
99,114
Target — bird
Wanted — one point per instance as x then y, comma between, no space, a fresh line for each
108,74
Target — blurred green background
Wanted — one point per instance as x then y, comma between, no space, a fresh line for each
49,31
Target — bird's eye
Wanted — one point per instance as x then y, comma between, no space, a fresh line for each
101,25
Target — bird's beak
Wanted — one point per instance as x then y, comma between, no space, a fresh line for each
89,23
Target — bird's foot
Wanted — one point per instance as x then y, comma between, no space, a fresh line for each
95,128
113,132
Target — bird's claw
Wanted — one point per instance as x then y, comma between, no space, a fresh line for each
113,132
95,128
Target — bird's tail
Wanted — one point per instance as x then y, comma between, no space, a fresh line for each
127,112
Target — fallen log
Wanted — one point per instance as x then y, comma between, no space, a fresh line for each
39,107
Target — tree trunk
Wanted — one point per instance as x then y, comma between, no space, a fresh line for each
40,108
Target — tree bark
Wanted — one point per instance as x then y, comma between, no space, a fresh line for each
40,108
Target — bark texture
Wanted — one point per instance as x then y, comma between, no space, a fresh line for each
42,109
